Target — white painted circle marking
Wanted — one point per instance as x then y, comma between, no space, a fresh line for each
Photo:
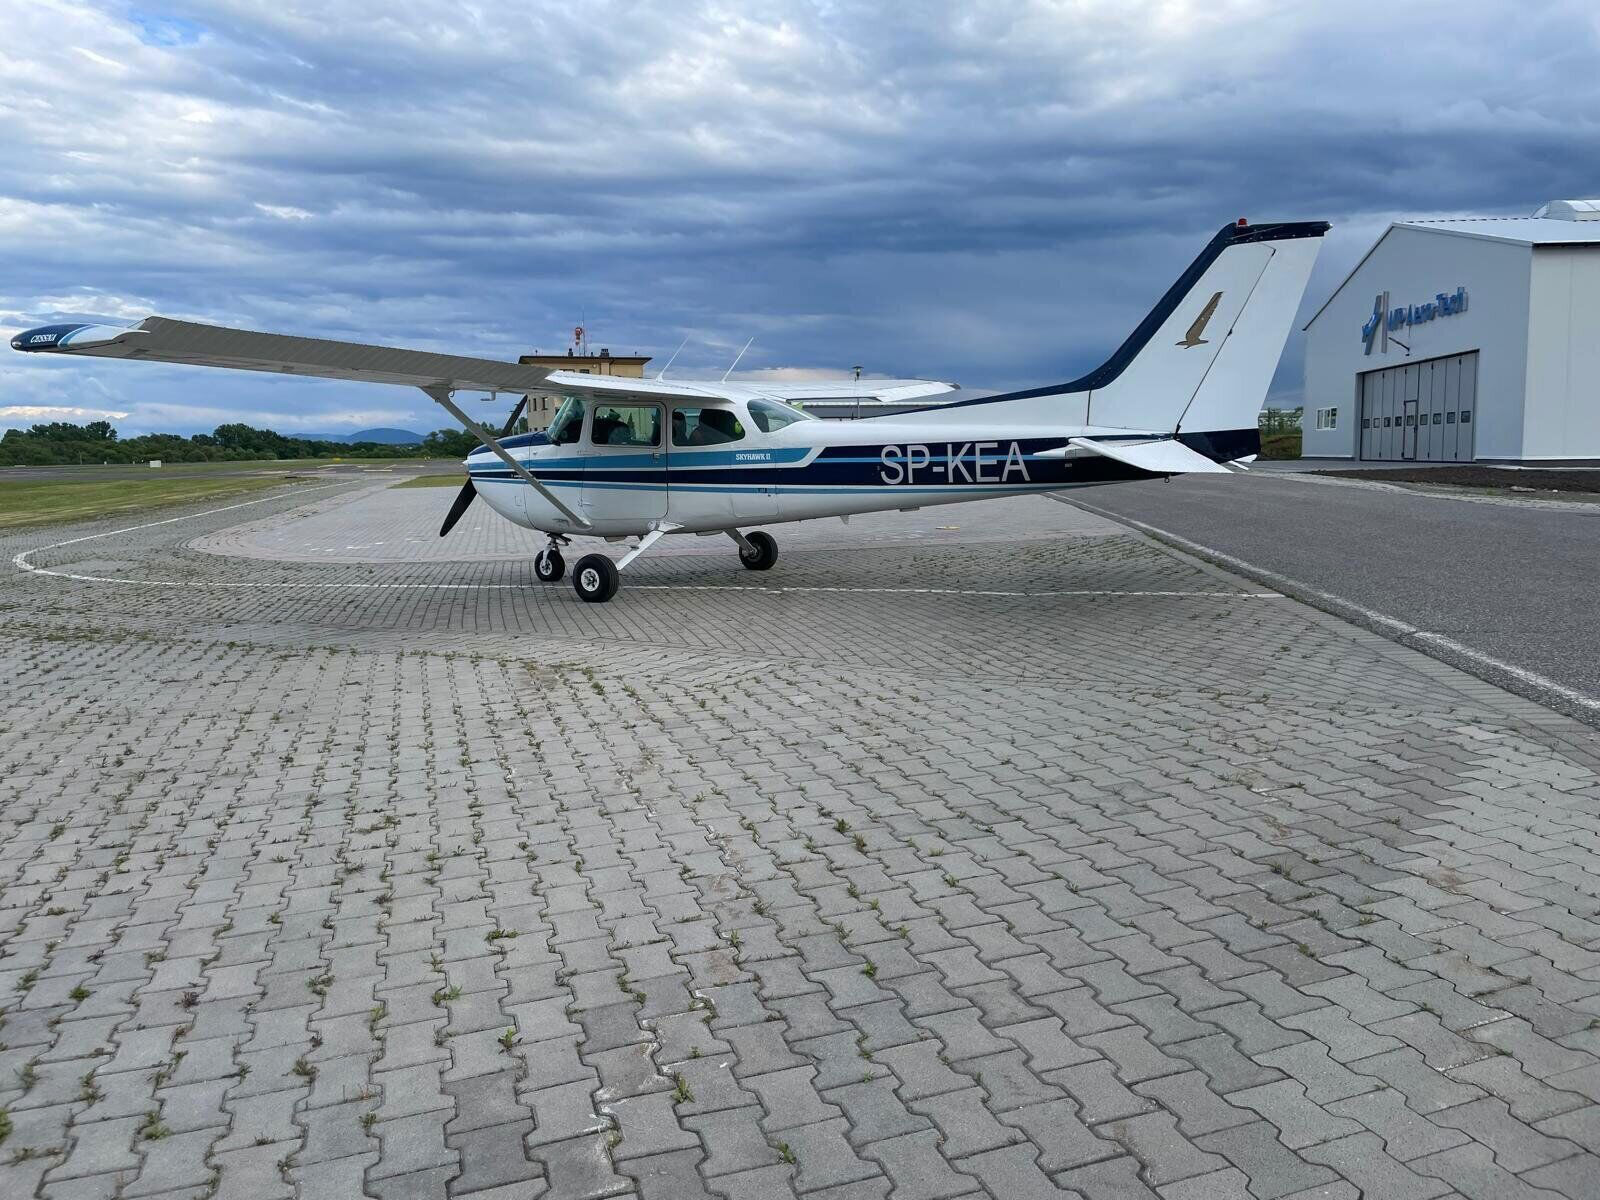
20,561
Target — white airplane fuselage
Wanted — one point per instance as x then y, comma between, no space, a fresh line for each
804,470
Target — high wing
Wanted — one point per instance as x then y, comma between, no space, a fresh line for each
440,376
161,339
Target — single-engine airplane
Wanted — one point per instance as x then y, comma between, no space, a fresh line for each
642,458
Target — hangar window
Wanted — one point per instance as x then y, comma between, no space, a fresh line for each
1466,416
1450,417
705,426
1438,418
1327,418
1366,423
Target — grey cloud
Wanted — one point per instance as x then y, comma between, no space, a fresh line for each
988,192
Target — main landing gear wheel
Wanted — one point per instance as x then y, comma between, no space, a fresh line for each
762,554
595,578
549,566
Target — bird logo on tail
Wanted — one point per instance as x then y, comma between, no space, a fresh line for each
1193,338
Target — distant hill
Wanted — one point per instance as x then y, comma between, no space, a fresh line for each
388,437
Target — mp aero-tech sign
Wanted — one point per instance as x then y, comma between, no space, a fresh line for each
1385,320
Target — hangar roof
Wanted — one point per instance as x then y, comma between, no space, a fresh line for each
1575,230
1527,231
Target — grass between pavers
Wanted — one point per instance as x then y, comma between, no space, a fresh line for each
454,481
46,502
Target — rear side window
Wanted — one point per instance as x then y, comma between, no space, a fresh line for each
705,426
770,416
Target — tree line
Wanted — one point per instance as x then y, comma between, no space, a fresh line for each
97,442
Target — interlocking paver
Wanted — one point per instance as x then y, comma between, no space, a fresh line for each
823,1155
1404,1134
917,1169
1121,921
1273,1170
1301,1122
1517,1146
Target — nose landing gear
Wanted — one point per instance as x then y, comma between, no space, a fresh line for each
548,565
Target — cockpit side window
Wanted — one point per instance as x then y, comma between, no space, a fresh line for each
705,426
566,426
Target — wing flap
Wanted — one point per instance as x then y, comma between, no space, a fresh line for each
160,339
1164,457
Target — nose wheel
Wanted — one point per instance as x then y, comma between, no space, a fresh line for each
549,566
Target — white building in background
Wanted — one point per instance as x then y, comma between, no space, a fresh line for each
1475,338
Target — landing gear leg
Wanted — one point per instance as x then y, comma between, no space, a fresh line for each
549,566
757,551
596,577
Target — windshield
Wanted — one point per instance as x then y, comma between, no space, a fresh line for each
567,425
770,416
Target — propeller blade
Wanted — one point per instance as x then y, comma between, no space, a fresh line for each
463,501
515,413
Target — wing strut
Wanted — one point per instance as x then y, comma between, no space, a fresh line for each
443,396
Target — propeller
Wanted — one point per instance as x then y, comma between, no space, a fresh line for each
468,492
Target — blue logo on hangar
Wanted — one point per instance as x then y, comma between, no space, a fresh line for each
1386,320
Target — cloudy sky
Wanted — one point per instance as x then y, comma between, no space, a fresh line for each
987,191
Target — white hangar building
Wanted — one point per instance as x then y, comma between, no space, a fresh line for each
1461,340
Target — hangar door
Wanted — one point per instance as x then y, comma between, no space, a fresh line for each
1422,411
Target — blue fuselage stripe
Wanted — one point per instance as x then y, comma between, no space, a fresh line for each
831,469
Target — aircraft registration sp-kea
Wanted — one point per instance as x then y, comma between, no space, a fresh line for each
643,458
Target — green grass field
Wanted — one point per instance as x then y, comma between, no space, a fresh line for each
451,480
46,501
1281,445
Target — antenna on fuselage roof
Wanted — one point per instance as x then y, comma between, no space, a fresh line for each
674,357
735,361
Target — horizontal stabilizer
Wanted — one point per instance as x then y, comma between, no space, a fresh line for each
1163,457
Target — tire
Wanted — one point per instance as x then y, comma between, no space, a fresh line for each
762,554
549,566
595,578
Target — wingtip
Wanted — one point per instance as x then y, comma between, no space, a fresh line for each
69,335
